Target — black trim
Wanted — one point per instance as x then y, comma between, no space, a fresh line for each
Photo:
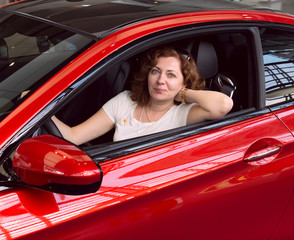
274,24
280,106
104,152
260,101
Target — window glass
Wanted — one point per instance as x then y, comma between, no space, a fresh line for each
30,53
278,56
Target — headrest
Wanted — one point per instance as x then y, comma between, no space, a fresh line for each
206,60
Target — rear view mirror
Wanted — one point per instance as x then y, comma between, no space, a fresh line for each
53,164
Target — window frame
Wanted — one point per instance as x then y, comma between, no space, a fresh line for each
104,152
281,27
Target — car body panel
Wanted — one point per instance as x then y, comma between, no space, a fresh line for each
157,184
285,227
286,116
198,186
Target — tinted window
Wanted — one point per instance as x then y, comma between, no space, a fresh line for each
278,56
30,53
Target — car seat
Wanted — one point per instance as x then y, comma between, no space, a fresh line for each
207,65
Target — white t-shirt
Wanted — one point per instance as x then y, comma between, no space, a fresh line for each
120,110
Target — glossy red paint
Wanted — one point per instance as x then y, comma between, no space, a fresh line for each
287,117
152,190
16,120
56,161
148,194
285,228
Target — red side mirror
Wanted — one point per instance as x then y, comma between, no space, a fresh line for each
55,165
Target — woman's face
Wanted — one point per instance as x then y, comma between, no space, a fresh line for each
165,80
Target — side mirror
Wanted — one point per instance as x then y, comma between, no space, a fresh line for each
53,164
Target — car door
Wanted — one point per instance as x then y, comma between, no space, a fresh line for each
204,186
231,180
278,45
225,179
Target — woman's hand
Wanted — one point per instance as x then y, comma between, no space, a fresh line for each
92,128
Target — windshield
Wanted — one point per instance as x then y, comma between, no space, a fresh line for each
30,53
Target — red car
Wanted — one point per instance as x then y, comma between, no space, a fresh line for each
231,178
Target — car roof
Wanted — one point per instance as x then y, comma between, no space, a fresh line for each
104,16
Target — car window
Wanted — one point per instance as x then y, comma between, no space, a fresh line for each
31,52
278,57
227,48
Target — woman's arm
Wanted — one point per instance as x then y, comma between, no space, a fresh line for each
209,104
92,128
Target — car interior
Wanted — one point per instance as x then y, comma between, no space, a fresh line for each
223,59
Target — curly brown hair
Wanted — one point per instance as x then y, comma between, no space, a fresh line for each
192,79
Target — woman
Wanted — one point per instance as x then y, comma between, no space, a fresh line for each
167,93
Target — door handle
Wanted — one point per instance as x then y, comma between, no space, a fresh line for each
263,151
